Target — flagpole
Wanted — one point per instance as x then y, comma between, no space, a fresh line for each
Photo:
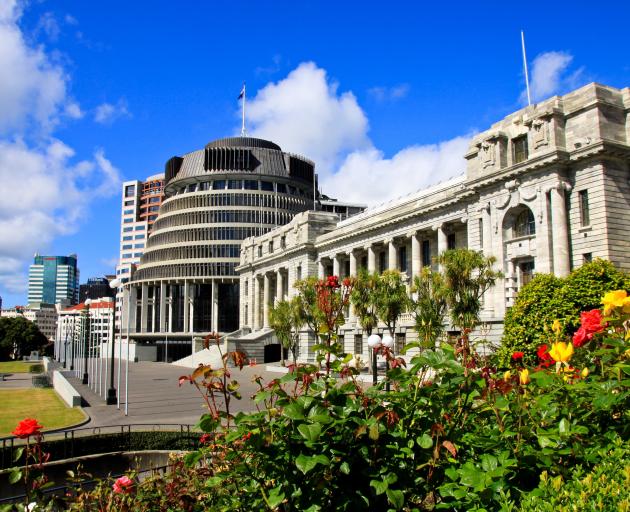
529,98
243,125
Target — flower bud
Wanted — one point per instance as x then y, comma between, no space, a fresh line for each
584,373
523,377
507,376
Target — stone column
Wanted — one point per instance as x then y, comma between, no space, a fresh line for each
279,286
186,308
353,263
486,222
214,324
392,255
371,253
336,266
416,256
256,304
191,327
163,317
266,299
442,241
560,232
132,305
320,269
144,308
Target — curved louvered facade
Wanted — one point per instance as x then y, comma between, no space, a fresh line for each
215,197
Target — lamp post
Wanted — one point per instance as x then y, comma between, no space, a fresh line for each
111,392
388,342
86,341
374,342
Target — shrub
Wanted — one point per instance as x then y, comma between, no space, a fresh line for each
547,298
36,368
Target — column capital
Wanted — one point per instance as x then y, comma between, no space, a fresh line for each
437,226
560,185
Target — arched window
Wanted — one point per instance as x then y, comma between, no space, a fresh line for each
524,224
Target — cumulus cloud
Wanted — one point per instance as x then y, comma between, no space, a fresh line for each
306,113
46,191
383,94
32,88
549,76
107,113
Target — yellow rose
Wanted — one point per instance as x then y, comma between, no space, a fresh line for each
613,300
523,377
507,376
561,353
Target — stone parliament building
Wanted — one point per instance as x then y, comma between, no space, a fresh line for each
545,190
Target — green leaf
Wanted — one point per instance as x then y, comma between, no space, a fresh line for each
489,462
396,498
276,496
313,508
15,476
213,481
425,441
319,414
373,433
310,432
18,454
306,463
564,427
390,478
192,458
379,486
345,468
294,411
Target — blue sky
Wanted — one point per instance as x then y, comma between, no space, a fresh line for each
384,97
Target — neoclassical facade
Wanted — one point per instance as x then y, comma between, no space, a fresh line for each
545,190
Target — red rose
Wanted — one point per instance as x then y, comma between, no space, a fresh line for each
517,356
542,353
27,428
332,282
592,321
581,337
123,485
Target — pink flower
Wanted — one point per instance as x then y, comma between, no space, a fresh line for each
123,485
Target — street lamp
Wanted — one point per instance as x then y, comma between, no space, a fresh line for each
111,392
86,341
374,342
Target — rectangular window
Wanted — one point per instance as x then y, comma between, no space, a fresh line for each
139,237
587,257
519,149
218,185
585,214
381,262
128,237
129,202
358,343
402,258
130,190
137,255
128,212
399,342
527,272
127,229
127,221
140,228
128,246
426,253
251,185
283,242
139,246
450,241
270,247
126,255
298,273
266,186
246,288
260,251
481,233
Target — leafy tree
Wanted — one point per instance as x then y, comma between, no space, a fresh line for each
547,298
391,299
467,276
307,297
363,299
18,337
428,305
287,319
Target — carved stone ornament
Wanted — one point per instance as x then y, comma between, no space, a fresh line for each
540,133
487,153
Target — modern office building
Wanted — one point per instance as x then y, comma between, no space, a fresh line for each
545,190
53,280
95,288
215,197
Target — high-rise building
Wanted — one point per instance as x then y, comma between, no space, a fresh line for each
140,202
95,288
53,280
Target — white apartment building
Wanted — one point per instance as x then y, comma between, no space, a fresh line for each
44,316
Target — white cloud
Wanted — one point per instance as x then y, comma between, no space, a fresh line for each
32,88
368,177
48,24
549,76
107,113
73,111
382,94
46,193
305,113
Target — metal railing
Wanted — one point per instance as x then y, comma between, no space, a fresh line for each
70,443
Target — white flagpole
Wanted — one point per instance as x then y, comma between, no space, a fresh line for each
529,98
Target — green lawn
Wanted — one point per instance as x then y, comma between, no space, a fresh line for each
16,366
42,404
